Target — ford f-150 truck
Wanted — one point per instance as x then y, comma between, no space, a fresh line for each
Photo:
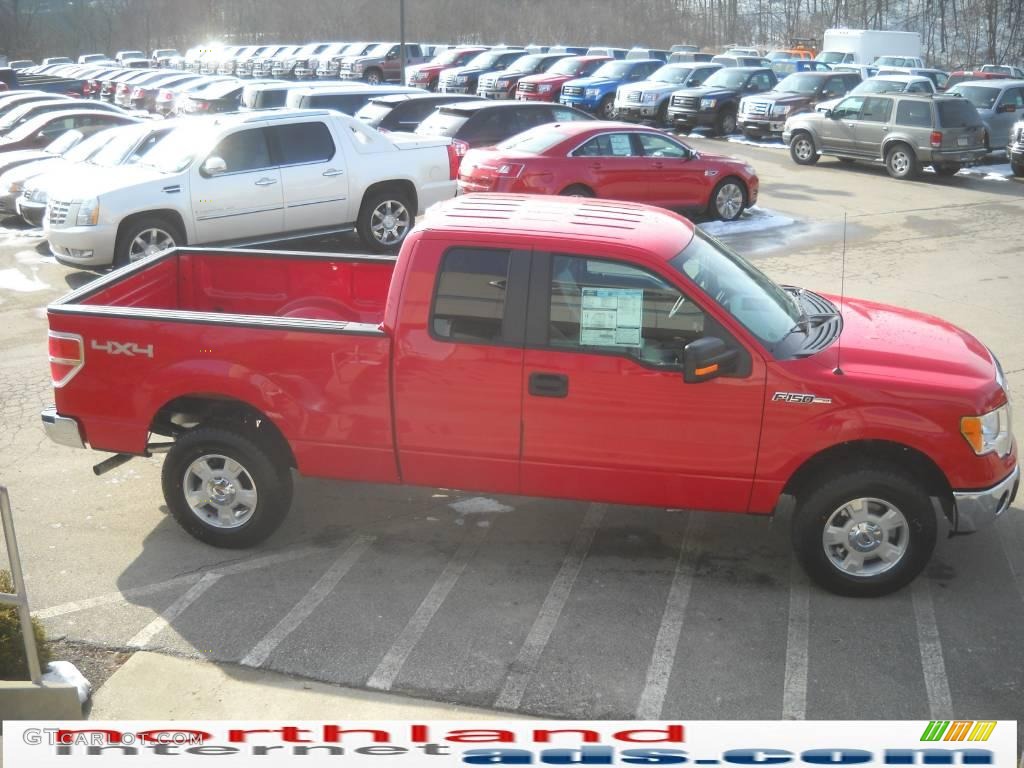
552,347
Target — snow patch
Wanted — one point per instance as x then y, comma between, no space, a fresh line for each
753,220
33,257
1001,172
67,673
14,279
479,505
757,143
15,235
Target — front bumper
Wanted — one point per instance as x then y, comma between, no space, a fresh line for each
691,119
633,111
578,103
1016,153
760,126
305,74
82,246
31,212
976,509
454,89
328,74
62,430
495,93
348,75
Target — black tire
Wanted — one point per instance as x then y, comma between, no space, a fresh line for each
901,161
373,76
577,190
803,149
264,470
946,169
847,160
828,498
725,121
725,210
606,109
661,119
373,212
1017,168
125,245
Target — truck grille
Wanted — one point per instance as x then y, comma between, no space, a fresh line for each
486,83
572,90
634,97
757,108
527,87
448,80
686,102
58,213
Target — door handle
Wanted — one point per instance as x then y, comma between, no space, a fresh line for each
332,172
595,166
266,182
658,165
549,385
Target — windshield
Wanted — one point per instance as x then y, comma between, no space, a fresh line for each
831,57
534,141
728,78
979,95
672,74
571,67
178,149
64,142
877,85
307,50
799,83
381,49
761,306
448,57
615,69
527,63
486,59
893,61
118,144
89,147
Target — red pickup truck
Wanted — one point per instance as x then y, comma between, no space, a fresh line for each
554,347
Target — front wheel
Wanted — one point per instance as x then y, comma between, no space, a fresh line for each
145,237
865,532
725,123
802,149
226,488
606,109
374,77
728,200
384,220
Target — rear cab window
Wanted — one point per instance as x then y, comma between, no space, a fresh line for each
301,143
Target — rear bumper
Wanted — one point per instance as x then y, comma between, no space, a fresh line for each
977,509
62,430
955,155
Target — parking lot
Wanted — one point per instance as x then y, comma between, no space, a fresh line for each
557,608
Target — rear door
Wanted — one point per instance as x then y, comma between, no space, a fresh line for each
314,175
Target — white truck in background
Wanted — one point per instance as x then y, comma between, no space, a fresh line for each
863,46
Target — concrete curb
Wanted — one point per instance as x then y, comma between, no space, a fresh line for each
22,700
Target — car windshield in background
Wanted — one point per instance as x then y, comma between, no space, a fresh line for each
381,49
307,50
877,85
373,112
799,83
761,306
486,59
220,90
64,142
956,113
88,147
831,57
672,74
535,141
442,123
980,96
526,63
178,149
118,144
614,69
568,67
728,78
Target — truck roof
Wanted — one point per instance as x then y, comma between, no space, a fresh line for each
569,220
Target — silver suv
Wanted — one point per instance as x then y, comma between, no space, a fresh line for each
904,131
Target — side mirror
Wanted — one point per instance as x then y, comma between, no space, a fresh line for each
214,166
392,55
826,112
706,358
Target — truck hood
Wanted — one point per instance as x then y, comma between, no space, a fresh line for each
85,186
785,98
469,71
896,343
707,92
594,82
545,77
650,86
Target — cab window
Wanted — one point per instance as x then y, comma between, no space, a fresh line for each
469,303
244,151
607,145
848,109
876,110
659,146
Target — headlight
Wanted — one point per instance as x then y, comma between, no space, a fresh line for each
545,88
592,93
88,213
649,98
16,187
462,79
989,433
358,66
781,109
708,103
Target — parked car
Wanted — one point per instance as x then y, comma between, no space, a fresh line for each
426,75
9,102
547,86
93,58
503,84
784,67
269,94
259,66
765,114
347,98
652,368
162,57
405,111
122,56
11,161
1015,149
864,70
464,79
483,123
26,113
615,161
596,93
284,68
381,64
224,96
904,131
738,60
886,84
605,51
326,173
969,75
212,61
689,57
43,129
144,96
1004,69
571,50
715,104
229,64
171,100
790,54
153,79
740,51
642,54
21,63
898,61
648,99
110,83
938,78
50,60
1000,104
309,69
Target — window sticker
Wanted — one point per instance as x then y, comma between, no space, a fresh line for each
621,146
611,317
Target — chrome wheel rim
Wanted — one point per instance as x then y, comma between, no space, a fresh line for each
220,491
866,537
803,149
900,162
608,110
148,242
729,201
389,222
373,78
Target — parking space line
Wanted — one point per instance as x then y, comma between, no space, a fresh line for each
384,675
933,664
302,609
241,566
161,622
522,668
794,692
664,656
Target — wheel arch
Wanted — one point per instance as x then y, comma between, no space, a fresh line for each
406,186
170,214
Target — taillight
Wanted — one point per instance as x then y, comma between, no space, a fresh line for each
456,151
67,356
166,96
936,139
202,106
137,93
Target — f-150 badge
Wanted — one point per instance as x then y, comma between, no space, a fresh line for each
799,397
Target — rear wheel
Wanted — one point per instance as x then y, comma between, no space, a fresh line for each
384,221
946,169
145,237
901,162
864,531
728,200
802,149
1017,168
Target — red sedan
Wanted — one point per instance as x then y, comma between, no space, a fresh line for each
618,161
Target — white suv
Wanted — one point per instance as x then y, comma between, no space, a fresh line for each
244,179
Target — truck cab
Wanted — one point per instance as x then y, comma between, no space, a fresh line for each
596,93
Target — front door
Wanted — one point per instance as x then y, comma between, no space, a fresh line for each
872,127
241,198
837,131
313,174
613,167
674,178
606,413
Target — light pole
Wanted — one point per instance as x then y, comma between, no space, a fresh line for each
401,34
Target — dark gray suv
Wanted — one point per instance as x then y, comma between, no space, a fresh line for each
904,131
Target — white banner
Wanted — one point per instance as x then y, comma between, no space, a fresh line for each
520,742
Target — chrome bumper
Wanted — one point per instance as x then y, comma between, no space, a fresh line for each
976,509
63,430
